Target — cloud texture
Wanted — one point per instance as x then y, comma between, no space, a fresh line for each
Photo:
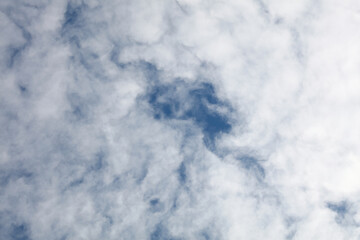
179,119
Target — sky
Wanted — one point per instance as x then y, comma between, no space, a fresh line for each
179,119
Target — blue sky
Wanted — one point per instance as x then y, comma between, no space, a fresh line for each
179,120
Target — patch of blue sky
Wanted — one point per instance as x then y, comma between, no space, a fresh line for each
13,175
342,212
161,233
73,16
99,161
114,57
156,205
19,232
14,54
182,173
23,89
340,208
199,103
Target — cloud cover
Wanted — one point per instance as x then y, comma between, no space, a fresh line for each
179,119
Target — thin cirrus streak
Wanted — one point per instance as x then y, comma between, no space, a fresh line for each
179,119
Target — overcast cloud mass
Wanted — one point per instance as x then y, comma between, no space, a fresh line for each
180,119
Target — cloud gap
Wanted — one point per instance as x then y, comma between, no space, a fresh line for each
197,103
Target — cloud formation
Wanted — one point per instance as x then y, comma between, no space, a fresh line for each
179,119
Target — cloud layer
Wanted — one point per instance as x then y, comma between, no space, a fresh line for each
179,119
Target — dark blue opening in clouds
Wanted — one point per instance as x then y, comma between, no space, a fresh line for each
197,103
19,232
72,15
340,208
161,233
